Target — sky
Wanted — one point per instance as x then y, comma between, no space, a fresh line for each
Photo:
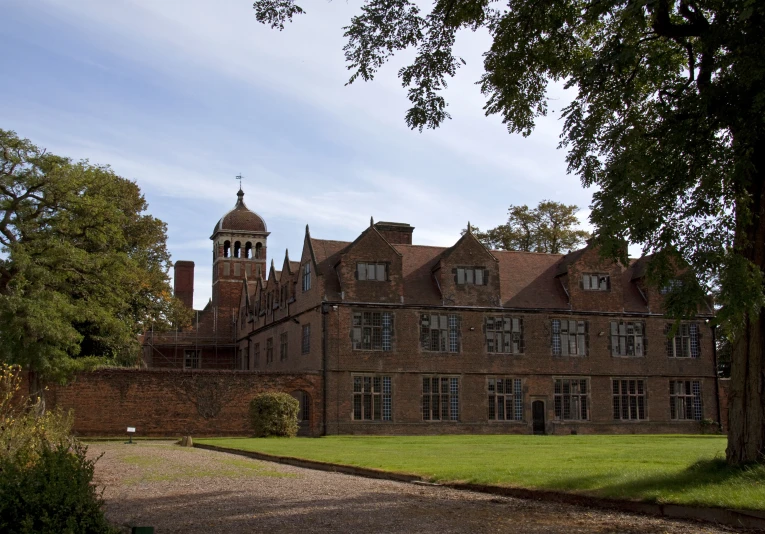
182,96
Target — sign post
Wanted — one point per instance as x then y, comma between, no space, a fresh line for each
130,431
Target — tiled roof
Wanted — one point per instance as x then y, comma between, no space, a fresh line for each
241,219
327,253
417,265
528,280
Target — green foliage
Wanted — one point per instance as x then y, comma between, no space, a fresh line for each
550,227
25,432
51,495
45,476
274,414
668,125
669,469
83,268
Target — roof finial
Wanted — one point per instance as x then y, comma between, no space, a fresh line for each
239,177
371,221
470,230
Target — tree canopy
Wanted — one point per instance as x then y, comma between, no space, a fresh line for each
668,122
550,228
83,268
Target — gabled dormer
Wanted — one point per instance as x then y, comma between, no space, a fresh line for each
592,282
370,269
467,274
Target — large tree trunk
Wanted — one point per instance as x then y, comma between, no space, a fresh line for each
746,406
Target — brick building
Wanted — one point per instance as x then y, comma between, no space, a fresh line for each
239,254
410,339
419,339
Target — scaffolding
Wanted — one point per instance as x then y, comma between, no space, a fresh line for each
181,340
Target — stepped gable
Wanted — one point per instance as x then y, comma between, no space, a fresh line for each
240,219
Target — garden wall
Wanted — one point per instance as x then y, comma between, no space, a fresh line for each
170,402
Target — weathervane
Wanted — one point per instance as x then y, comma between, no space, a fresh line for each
239,177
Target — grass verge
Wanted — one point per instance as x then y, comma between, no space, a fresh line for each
688,470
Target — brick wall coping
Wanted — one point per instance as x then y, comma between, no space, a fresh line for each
736,518
172,370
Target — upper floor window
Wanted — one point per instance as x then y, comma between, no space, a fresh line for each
372,271
283,346
504,335
671,286
569,338
471,275
372,330
596,282
685,343
440,333
306,340
307,276
627,338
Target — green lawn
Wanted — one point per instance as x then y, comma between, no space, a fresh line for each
677,469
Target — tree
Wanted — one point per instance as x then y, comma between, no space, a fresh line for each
83,270
668,122
547,228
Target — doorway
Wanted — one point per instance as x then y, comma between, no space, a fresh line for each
538,417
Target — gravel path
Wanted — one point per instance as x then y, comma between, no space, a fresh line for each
177,489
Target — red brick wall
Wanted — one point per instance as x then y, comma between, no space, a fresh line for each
167,402
537,367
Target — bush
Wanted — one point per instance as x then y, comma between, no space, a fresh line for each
54,494
45,476
274,414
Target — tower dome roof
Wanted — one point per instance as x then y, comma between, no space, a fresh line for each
240,219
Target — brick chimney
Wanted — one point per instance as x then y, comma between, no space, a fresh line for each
183,282
395,233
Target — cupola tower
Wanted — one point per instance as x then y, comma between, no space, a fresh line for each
239,251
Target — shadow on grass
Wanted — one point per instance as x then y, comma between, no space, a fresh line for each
715,476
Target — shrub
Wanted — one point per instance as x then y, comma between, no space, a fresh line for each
45,476
274,414
54,494
23,429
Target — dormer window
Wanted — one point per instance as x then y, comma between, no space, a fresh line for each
372,271
307,276
471,276
596,282
671,286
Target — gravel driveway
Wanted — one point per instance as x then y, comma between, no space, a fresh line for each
177,489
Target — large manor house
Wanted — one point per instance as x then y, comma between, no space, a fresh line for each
412,339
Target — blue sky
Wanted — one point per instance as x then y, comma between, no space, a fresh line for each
181,96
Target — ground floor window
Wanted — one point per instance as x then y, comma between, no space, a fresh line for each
269,350
685,400
505,399
572,399
191,359
256,355
372,398
628,399
440,398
